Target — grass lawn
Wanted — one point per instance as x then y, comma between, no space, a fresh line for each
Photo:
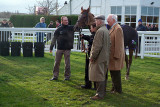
24,82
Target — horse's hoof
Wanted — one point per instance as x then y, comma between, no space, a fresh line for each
126,77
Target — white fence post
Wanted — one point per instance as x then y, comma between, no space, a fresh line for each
12,36
22,36
142,46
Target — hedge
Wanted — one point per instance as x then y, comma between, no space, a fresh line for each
32,20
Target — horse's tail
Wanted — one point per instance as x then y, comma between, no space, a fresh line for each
137,45
136,52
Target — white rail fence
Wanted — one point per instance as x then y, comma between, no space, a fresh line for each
149,42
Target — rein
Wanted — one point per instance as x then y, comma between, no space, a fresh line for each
80,30
82,41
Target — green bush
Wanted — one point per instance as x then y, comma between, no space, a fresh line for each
31,20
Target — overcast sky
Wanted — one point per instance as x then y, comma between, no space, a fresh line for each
20,5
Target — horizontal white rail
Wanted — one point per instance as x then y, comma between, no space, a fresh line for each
149,40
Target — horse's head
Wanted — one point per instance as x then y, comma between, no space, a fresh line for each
85,19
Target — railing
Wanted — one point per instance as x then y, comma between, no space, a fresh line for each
32,34
149,41
149,44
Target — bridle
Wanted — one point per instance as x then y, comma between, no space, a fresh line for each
84,22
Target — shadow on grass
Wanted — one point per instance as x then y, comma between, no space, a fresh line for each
18,96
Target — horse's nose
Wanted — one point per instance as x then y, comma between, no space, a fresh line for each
76,27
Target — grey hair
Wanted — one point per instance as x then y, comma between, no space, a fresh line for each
103,21
113,16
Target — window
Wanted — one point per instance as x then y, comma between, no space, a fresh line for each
144,11
156,11
130,15
117,10
149,15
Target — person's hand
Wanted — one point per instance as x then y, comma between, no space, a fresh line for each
50,51
81,35
91,60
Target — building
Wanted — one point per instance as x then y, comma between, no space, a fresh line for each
41,11
128,11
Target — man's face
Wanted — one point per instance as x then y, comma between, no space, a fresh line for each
65,21
110,21
4,21
97,22
139,23
93,29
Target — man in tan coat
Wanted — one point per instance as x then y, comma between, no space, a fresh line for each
117,57
99,58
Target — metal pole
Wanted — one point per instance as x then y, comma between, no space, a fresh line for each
70,7
89,3
56,7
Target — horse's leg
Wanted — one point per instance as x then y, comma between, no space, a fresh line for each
130,62
126,60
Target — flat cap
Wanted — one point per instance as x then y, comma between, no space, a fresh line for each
102,17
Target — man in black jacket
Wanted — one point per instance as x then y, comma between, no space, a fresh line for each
4,35
64,36
140,27
4,23
49,34
88,84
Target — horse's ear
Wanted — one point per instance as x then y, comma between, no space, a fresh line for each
81,8
88,10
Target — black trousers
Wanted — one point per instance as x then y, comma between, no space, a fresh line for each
87,82
116,81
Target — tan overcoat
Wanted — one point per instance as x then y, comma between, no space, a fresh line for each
100,54
117,55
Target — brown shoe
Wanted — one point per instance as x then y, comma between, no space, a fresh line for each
96,98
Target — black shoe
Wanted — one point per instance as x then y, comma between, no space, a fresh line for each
66,79
53,79
86,87
93,88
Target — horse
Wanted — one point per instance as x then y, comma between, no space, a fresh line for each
86,18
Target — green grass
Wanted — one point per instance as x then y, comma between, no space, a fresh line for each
24,82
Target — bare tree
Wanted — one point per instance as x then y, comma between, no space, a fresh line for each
51,5
31,9
48,5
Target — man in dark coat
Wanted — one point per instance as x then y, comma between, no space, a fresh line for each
64,36
4,35
140,27
4,23
88,84
49,34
